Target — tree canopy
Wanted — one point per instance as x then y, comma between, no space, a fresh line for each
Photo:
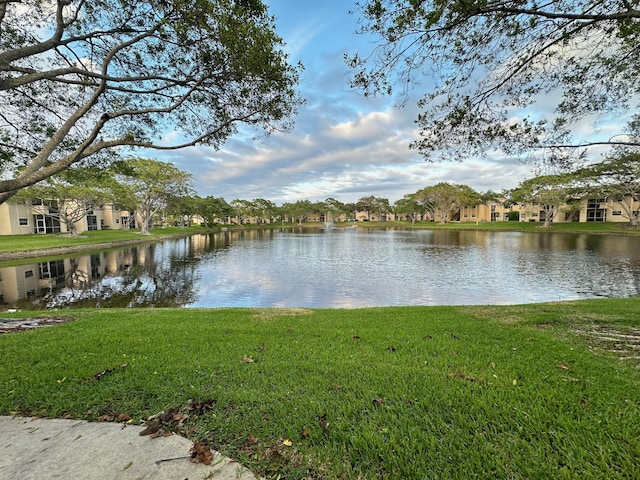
444,199
618,177
147,185
515,75
80,78
549,193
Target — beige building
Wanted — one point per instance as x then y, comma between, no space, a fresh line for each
44,217
492,211
609,209
24,218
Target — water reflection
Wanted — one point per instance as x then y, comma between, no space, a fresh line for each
336,267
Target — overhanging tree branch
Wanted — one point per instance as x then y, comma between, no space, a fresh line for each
487,64
116,77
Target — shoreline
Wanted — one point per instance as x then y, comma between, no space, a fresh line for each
53,251
64,250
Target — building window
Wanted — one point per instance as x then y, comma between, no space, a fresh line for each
46,224
51,270
28,273
595,202
23,222
616,213
92,223
596,215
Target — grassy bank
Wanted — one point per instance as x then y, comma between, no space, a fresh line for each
19,243
570,227
532,391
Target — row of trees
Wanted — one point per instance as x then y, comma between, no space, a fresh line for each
80,80
616,177
150,187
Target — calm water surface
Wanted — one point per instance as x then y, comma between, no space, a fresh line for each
335,267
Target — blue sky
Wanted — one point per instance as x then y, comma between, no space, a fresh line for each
343,145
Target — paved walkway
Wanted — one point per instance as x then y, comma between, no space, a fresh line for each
49,449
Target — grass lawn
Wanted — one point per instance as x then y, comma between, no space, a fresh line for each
18,243
569,227
532,391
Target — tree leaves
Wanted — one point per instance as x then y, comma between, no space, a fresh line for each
104,373
175,418
200,453
225,66
488,63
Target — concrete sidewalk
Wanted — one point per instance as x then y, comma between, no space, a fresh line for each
78,450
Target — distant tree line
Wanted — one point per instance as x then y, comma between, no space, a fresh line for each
162,192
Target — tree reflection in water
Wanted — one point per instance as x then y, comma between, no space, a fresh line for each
339,267
141,279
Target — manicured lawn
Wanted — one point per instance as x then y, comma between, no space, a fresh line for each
531,391
573,227
17,243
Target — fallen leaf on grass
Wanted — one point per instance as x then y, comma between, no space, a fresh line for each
322,421
287,443
179,418
150,430
123,417
248,360
100,375
200,453
562,366
173,419
200,406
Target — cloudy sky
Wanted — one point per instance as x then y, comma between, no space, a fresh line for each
343,145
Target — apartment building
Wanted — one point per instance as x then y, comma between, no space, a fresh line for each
609,209
44,217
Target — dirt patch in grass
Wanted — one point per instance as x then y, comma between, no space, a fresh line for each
622,343
11,325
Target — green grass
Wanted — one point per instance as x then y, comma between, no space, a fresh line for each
18,243
569,227
403,392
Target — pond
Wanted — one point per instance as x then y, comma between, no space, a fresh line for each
334,267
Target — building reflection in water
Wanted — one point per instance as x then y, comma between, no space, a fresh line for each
303,267
159,274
